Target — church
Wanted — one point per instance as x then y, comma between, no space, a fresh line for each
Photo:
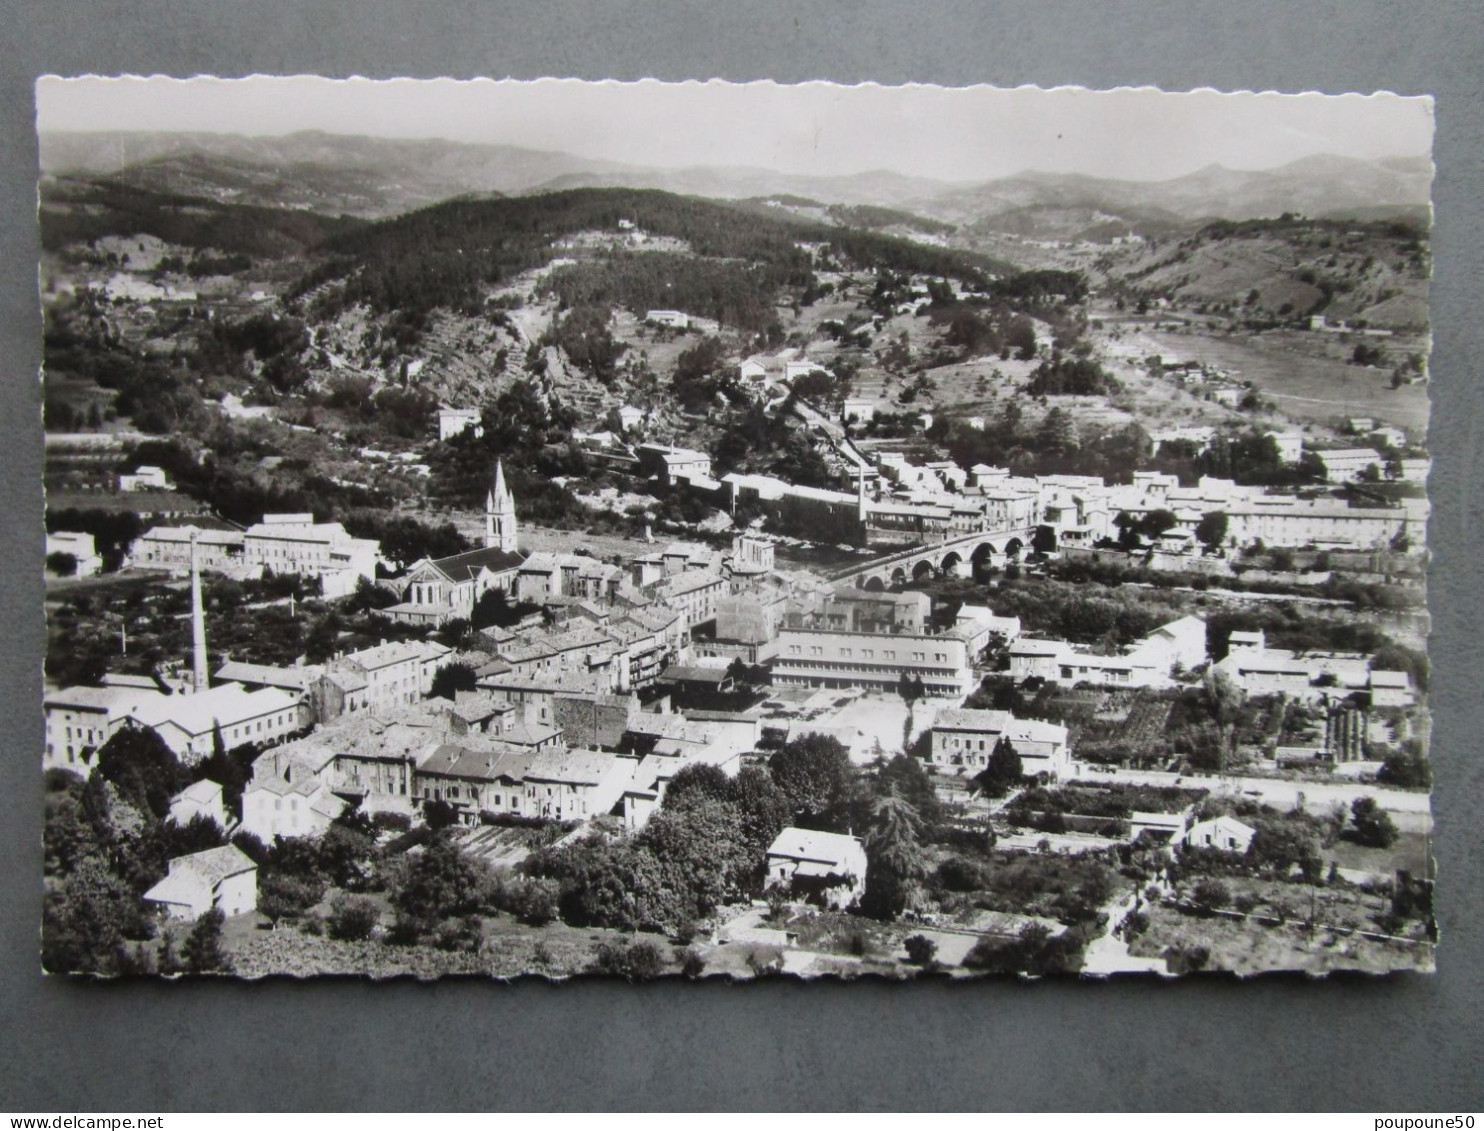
437,590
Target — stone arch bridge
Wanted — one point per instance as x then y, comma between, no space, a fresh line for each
958,556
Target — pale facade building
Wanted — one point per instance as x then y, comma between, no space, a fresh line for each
1226,834
456,421
224,877
834,861
80,546
79,720
963,740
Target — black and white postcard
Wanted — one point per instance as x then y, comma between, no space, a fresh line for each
712,530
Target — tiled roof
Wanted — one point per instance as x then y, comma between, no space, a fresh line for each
574,767
812,845
466,566
215,864
966,718
226,705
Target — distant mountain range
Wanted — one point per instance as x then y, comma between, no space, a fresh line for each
374,177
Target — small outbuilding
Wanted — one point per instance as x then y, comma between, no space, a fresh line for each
199,799
1224,833
222,877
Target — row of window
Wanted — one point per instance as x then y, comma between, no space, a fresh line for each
870,654
271,722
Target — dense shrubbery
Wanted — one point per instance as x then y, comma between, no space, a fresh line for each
1066,375
704,847
1034,951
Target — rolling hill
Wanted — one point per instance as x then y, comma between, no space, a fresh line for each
1373,271
378,177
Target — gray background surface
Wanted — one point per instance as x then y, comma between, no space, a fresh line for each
1276,1043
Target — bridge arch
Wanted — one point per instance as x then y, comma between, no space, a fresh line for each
921,569
874,583
950,560
899,576
1014,547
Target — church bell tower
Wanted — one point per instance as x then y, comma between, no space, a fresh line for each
499,515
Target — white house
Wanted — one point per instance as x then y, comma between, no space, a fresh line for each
79,720
1225,833
290,794
199,799
567,785
803,858
670,462
144,478
82,548
1150,662
222,877
1391,689
454,421
1345,465
963,740
296,544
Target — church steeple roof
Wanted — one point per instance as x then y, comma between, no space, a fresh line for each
500,492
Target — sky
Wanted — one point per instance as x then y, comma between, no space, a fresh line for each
973,133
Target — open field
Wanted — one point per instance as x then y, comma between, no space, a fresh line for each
1411,853
1305,384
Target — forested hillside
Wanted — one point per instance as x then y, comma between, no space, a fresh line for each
449,254
78,212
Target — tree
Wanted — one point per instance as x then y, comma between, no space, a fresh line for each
1002,771
638,962
1216,742
905,776
1371,825
1408,769
1155,523
87,917
202,952
61,563
921,950
814,773
703,859
452,678
699,779
441,883
1279,845
906,688
145,770
283,897
494,609
1211,530
1210,894
439,815
764,809
352,918
1033,951
895,862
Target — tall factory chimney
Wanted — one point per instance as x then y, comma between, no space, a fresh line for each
200,681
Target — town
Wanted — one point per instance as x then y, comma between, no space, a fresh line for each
886,610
